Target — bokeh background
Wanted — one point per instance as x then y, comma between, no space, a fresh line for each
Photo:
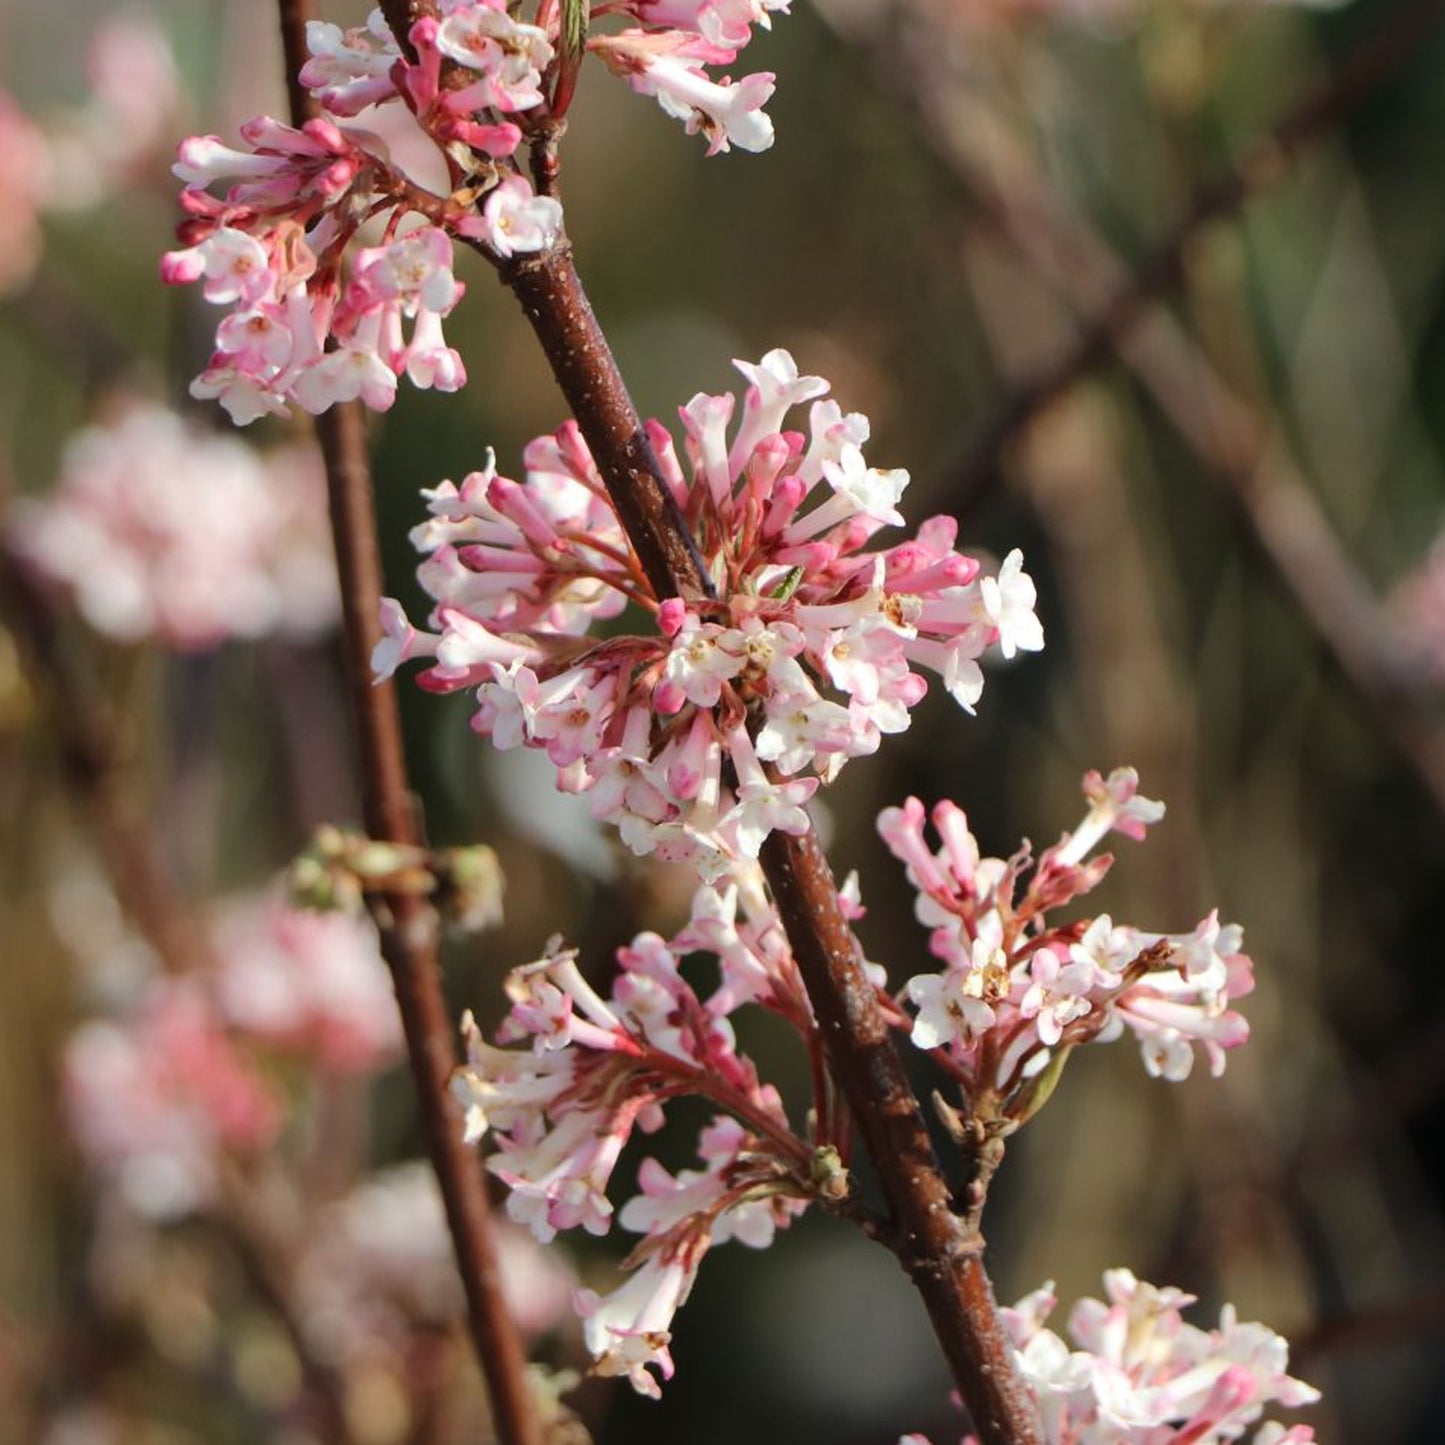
1232,516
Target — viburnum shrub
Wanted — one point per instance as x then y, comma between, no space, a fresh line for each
700,629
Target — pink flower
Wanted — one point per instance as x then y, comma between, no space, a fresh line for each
516,221
728,115
125,532
154,1099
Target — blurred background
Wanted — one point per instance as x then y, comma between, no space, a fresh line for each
1210,411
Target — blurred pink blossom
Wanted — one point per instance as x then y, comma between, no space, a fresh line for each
167,532
24,178
381,1260
95,148
153,1100
312,982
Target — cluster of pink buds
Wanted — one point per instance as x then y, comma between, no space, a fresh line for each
595,1070
1017,993
1141,1375
308,326
804,660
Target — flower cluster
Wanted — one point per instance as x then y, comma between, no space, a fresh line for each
510,68
306,983
805,658
309,327
1140,1375
163,531
1017,993
156,1098
595,1070
159,1091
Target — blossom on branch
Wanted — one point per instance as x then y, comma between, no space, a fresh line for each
1139,1374
595,1070
1017,991
702,735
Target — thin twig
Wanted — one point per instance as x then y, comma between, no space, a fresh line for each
407,924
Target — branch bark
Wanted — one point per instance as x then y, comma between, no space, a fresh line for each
941,1255
407,924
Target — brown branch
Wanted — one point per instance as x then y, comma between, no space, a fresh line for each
941,1256
407,924
1265,165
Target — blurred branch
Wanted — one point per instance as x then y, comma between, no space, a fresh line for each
1247,456
406,922
95,774
1266,165
1237,445
1136,288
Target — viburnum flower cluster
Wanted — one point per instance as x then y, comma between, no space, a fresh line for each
163,531
1018,992
306,326
596,1070
701,736
171,1081
1140,1374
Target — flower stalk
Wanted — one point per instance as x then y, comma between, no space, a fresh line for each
407,923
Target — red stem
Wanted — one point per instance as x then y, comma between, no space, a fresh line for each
940,1253
406,923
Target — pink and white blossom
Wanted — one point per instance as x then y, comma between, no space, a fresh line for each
1017,990
816,632
162,531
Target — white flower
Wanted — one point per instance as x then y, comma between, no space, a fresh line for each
1008,602
518,221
